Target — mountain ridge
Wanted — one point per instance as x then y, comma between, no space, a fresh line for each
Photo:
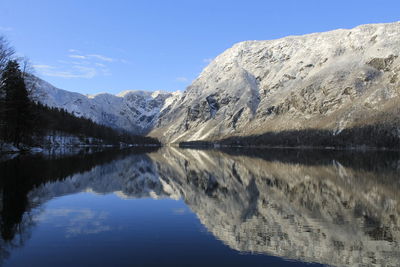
330,81
131,110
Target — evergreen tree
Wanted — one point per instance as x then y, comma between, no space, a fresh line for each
16,111
23,121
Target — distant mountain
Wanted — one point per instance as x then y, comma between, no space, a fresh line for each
134,111
332,82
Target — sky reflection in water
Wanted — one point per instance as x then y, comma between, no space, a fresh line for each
196,208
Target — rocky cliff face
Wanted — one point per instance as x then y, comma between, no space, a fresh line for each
330,81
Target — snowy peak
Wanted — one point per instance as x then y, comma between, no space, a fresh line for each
327,81
133,111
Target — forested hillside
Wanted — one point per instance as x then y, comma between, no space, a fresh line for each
24,122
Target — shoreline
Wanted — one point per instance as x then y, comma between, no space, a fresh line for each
330,148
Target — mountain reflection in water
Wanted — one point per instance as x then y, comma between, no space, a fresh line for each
336,208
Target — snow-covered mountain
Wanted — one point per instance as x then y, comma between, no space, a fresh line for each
329,81
133,111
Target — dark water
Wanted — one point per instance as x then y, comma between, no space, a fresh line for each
182,207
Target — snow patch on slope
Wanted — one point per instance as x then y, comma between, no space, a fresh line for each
133,111
297,82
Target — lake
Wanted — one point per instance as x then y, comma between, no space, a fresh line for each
189,207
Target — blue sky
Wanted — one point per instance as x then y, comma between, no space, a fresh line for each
111,46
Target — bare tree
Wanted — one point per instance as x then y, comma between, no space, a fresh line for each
28,75
6,52
26,66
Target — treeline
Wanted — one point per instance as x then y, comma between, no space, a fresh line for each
368,136
372,136
59,120
26,122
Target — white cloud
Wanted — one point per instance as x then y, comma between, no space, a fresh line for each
100,65
80,63
207,60
77,56
182,79
6,29
92,56
101,57
105,72
75,72
77,221
85,72
83,66
42,67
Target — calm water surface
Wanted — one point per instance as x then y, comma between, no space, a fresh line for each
186,207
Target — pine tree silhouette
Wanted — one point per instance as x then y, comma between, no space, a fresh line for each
16,112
